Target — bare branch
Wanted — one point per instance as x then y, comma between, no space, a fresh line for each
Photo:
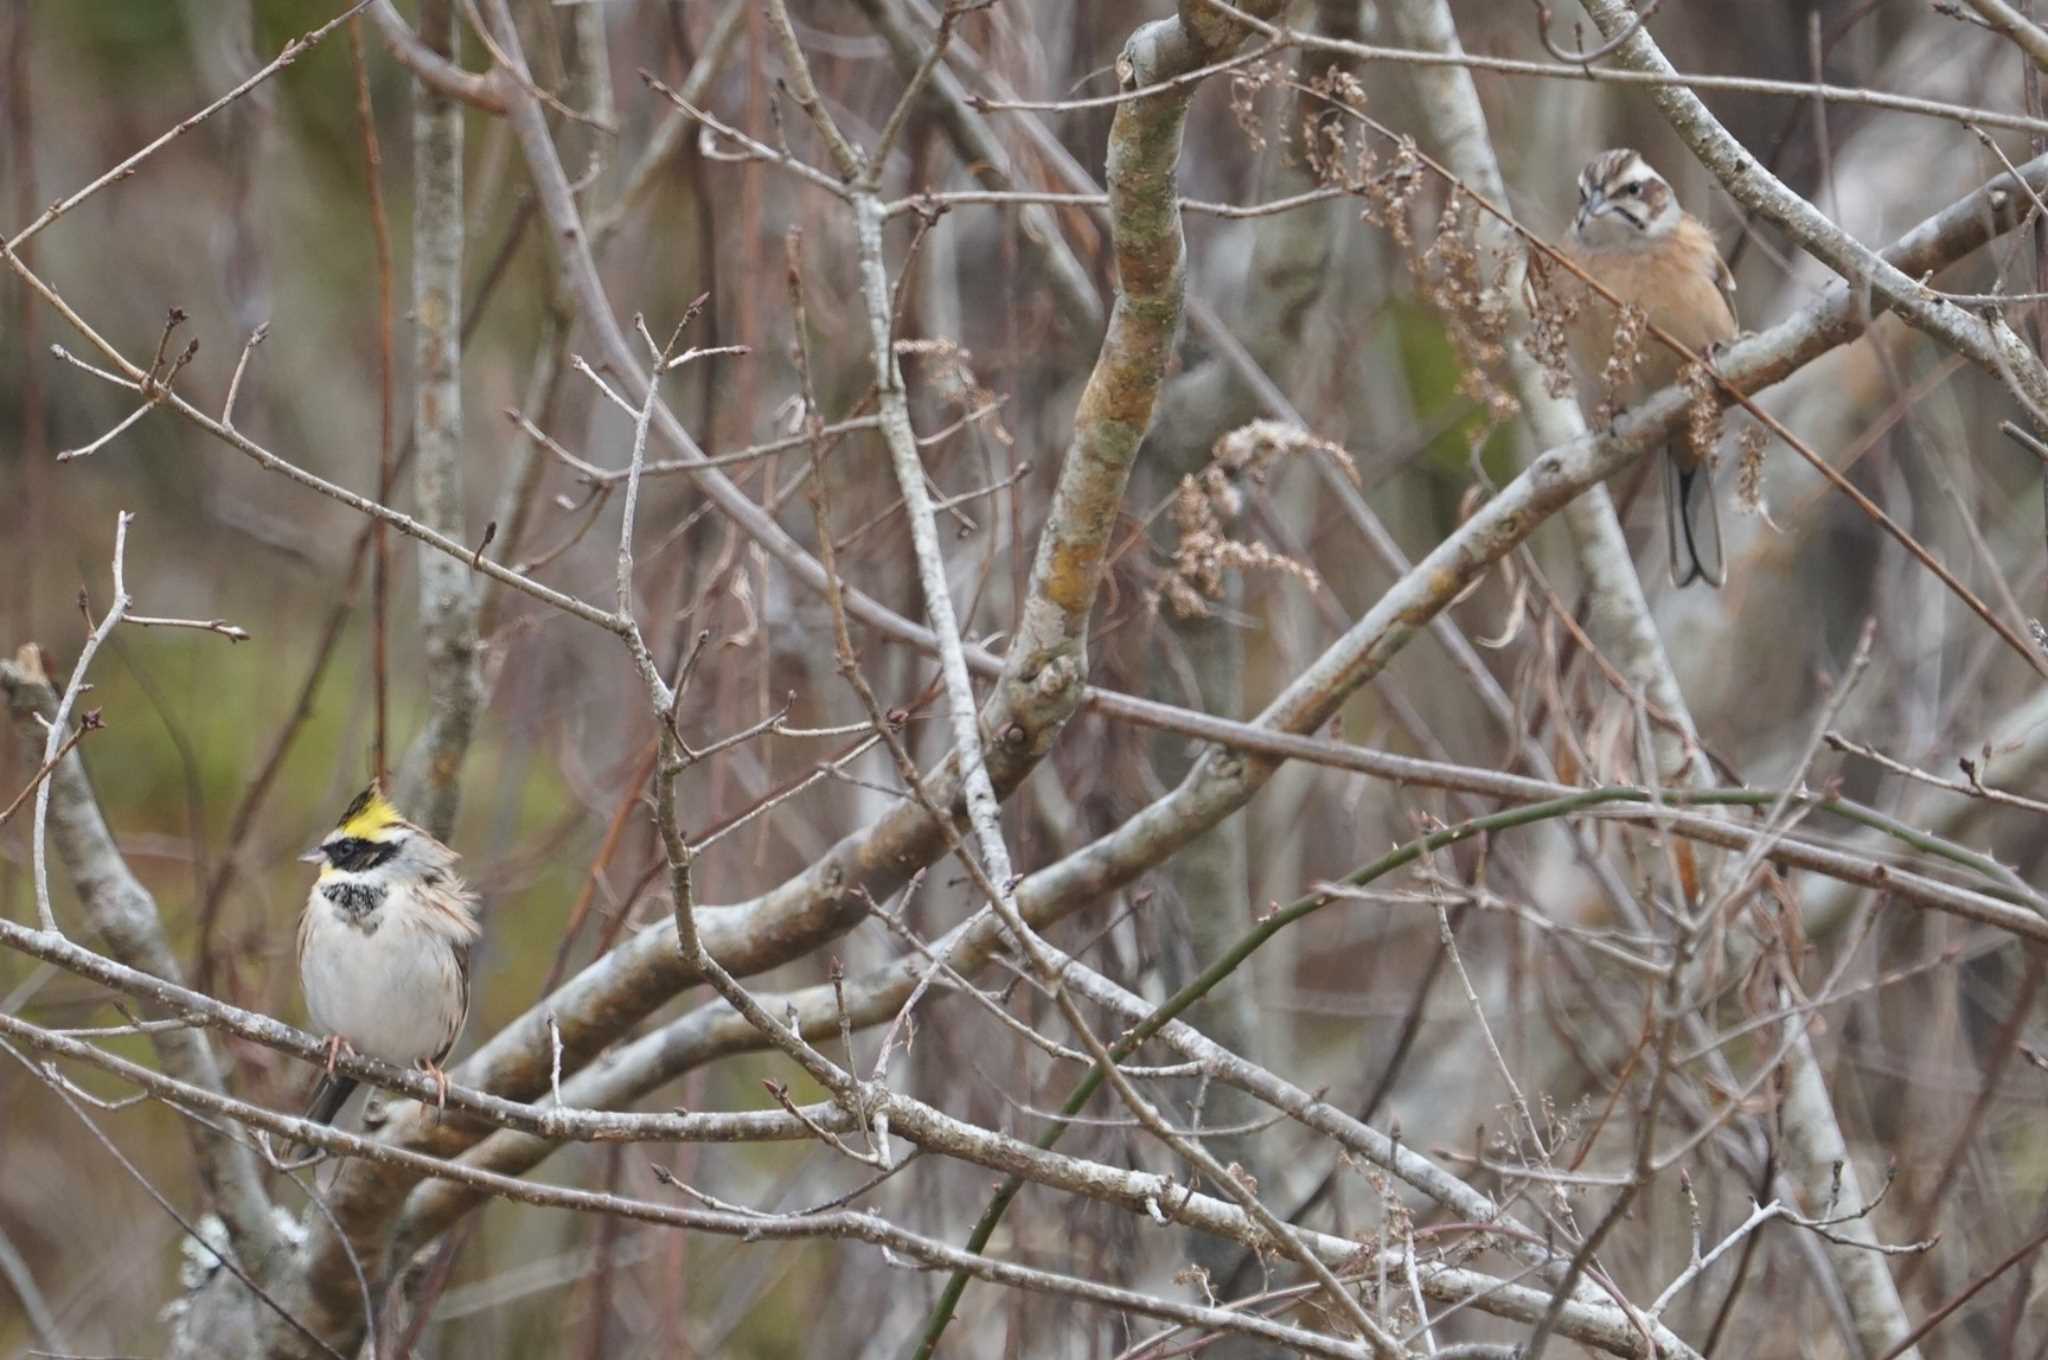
119,910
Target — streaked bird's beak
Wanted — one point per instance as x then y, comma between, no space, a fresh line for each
314,856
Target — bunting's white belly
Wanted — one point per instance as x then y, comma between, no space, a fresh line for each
394,990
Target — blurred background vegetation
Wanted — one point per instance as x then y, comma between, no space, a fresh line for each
261,216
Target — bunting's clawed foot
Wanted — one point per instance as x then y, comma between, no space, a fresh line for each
335,1046
433,1069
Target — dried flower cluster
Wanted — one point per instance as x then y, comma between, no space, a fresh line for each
1245,88
1555,301
1252,449
1450,275
1749,475
1702,413
1386,188
1452,279
1205,503
1631,326
1327,153
950,374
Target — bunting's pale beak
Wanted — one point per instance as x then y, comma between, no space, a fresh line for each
314,856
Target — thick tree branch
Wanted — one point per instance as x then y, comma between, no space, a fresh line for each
122,912
430,783
435,69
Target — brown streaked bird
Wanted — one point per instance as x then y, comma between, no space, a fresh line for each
1632,236
384,946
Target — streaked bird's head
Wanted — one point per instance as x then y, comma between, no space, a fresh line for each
1623,203
372,837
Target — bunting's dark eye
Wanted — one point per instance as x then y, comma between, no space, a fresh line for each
353,854
1634,190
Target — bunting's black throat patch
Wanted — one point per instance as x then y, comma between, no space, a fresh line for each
357,903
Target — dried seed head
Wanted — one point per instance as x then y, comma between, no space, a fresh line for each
1452,278
1630,329
1555,301
1245,87
1207,502
1749,479
1702,413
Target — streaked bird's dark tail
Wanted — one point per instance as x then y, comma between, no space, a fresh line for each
1692,523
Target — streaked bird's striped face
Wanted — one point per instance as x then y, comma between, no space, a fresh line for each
1623,202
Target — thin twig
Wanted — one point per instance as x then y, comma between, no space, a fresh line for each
61,721
91,722
220,626
291,52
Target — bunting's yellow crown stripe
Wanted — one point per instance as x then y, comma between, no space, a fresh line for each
370,813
